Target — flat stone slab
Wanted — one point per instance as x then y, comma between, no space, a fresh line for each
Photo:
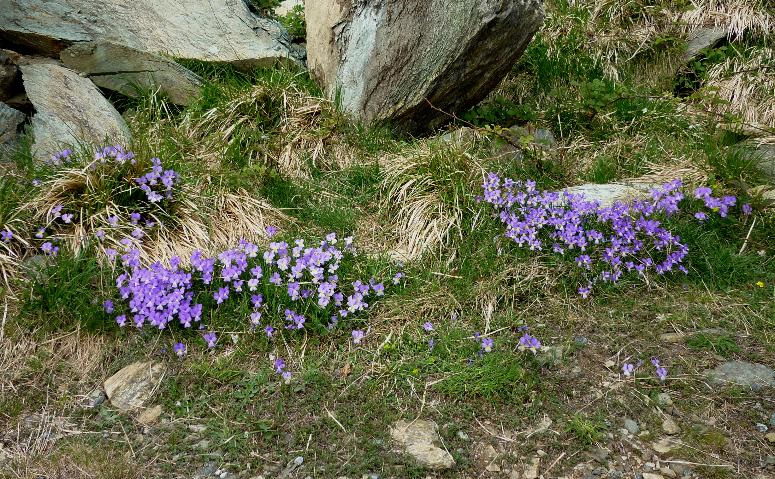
608,194
131,387
223,31
130,71
743,373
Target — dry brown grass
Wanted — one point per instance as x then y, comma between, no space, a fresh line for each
737,16
747,88
423,192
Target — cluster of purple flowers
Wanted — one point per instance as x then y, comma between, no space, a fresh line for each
301,281
605,242
628,369
115,153
158,178
60,158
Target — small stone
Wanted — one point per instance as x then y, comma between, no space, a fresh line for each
417,439
772,419
743,373
667,471
206,471
541,453
493,467
514,474
669,426
761,427
197,428
666,444
770,436
133,385
150,415
463,436
600,454
581,341
204,445
610,363
94,399
531,470
663,399
631,426
652,475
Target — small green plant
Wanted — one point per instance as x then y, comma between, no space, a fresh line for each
723,344
65,291
265,6
295,23
587,430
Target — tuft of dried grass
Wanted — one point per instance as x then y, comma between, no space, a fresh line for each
235,216
424,193
737,16
746,87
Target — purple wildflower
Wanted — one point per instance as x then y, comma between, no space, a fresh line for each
179,349
428,326
6,235
487,344
108,306
221,295
358,336
210,338
529,342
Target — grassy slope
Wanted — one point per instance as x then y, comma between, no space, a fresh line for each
58,345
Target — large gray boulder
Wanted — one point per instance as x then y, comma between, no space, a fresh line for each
69,110
404,61
224,31
129,71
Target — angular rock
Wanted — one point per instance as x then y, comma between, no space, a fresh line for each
666,445
701,39
392,60
743,373
417,439
94,399
631,426
129,71
762,155
669,426
608,194
150,415
10,119
70,110
223,31
531,470
133,385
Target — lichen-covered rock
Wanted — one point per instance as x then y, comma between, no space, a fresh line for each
743,373
69,110
131,387
223,31
405,61
129,71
